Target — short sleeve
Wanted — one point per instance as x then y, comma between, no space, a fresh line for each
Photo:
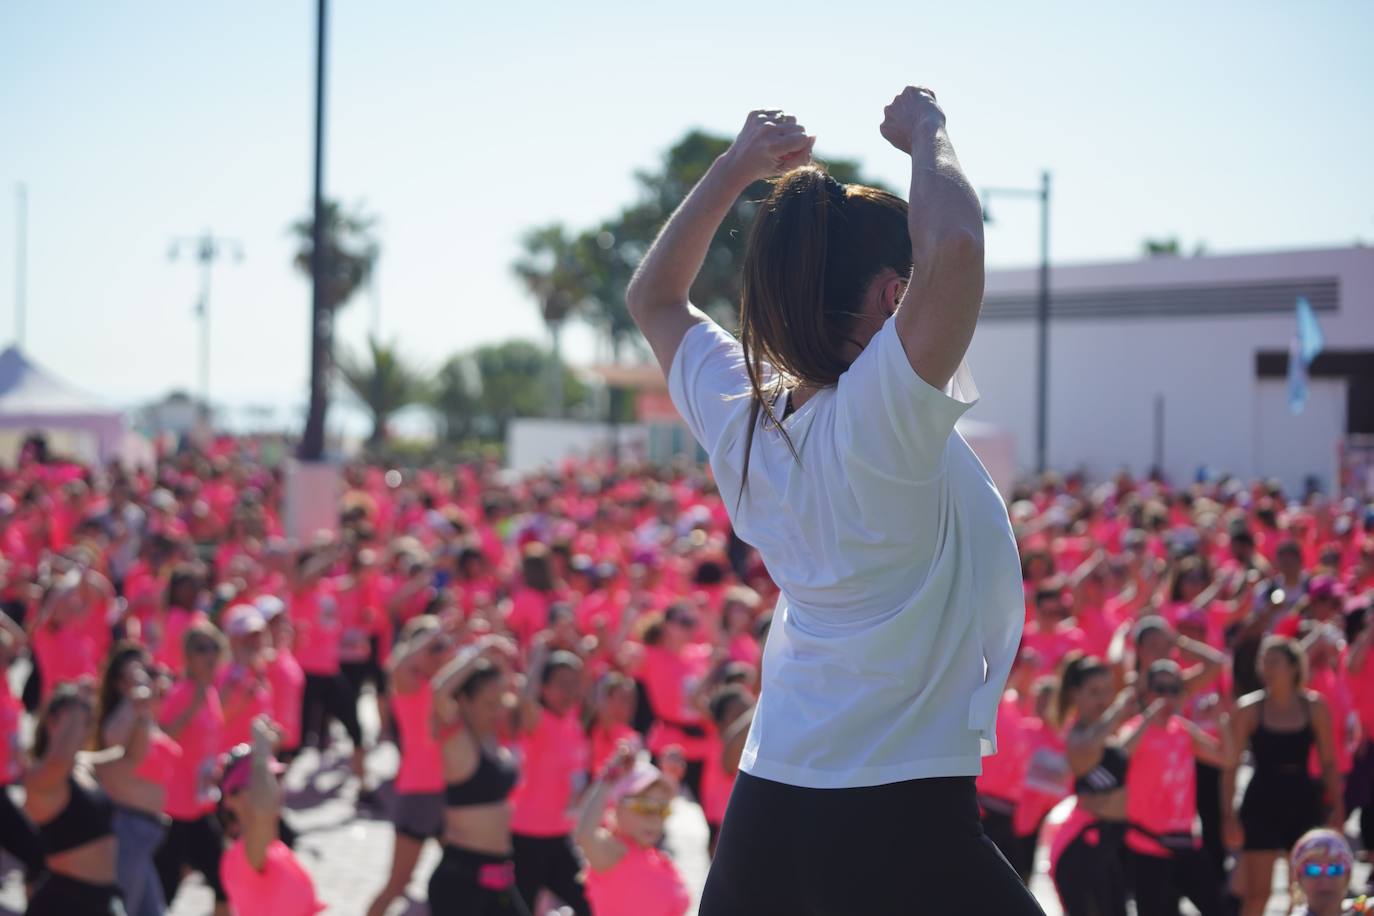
888,418
709,383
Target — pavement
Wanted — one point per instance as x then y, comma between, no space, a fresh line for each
349,851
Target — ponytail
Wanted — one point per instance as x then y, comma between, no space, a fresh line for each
814,247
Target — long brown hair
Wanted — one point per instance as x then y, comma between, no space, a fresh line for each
814,248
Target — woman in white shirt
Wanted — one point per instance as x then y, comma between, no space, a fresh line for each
830,430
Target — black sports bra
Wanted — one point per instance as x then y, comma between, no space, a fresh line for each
492,782
1108,776
88,817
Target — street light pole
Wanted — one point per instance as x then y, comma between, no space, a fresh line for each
207,248
1042,311
321,320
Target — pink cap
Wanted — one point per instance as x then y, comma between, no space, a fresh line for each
638,781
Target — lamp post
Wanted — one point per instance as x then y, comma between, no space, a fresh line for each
321,313
206,248
1042,309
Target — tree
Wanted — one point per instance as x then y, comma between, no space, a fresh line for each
556,275
456,397
383,382
511,384
348,255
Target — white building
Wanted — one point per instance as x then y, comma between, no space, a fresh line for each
1182,361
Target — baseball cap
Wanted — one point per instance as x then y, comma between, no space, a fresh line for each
270,607
638,781
243,619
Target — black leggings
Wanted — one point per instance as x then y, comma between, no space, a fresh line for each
18,836
902,849
1158,883
329,695
1017,850
549,863
1090,875
1209,813
58,895
198,844
454,886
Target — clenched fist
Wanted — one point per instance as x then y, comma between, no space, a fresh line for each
913,113
770,143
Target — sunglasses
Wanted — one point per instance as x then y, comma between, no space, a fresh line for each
203,648
1167,690
1330,870
648,807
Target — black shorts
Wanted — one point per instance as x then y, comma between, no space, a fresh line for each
1274,815
891,850
456,886
58,895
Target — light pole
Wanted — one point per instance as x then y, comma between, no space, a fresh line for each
206,248
321,314
1042,309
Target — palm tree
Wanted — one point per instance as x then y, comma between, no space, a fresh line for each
349,254
555,274
384,383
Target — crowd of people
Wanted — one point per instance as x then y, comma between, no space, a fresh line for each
560,657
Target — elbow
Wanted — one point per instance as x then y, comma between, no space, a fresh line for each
962,245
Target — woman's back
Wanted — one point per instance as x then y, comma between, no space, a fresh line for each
894,555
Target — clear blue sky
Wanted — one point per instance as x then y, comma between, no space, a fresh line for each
1245,125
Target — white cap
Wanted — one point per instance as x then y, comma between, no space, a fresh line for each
270,606
242,620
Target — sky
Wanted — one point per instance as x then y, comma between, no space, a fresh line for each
1242,125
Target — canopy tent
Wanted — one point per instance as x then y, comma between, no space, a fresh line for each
33,400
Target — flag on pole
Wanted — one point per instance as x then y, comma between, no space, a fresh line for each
1307,342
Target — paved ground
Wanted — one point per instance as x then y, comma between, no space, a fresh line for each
350,853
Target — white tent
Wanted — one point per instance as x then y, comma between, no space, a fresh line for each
34,400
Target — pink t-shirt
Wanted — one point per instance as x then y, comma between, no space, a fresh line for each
745,648
529,613
421,768
64,655
1161,785
244,695
643,883
188,794
288,692
1362,689
1004,771
553,772
1052,645
163,635
11,714
670,680
283,887
315,615
1336,691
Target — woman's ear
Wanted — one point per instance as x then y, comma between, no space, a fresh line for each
893,291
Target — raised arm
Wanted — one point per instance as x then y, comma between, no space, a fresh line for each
770,143
941,305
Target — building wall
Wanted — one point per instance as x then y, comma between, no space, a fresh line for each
1105,372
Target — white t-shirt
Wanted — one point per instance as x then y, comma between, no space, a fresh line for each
901,605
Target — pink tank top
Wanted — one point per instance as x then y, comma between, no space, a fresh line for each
422,768
288,692
283,887
1161,786
553,771
644,883
162,761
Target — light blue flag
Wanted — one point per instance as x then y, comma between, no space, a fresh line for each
1306,344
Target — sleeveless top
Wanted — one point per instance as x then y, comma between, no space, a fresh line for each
491,782
1107,776
1281,755
87,817
421,770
